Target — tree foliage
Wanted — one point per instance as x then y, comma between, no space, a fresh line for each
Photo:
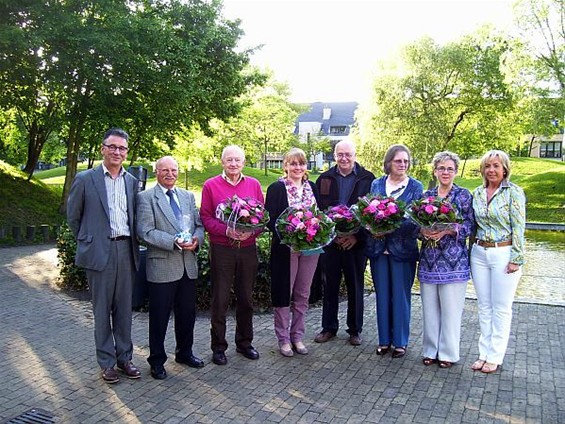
78,67
436,97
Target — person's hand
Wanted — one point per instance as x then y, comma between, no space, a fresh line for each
237,235
346,242
189,245
436,235
512,268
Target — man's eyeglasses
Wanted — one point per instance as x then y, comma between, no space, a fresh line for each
113,148
344,155
443,169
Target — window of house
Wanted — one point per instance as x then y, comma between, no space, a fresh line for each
338,130
550,150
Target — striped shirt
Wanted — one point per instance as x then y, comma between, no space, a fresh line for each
117,203
503,218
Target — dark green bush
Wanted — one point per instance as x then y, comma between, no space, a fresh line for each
71,277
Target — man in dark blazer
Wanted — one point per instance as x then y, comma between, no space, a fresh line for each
101,215
169,223
343,184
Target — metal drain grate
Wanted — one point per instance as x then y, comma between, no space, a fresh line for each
33,416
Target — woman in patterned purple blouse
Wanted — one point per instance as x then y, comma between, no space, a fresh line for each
444,270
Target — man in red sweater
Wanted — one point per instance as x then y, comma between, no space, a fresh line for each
233,256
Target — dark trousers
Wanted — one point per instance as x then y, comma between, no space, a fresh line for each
352,264
111,291
179,297
235,267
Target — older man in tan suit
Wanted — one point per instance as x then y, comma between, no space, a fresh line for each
168,221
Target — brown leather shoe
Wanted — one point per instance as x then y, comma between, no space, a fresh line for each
110,375
129,369
355,340
324,336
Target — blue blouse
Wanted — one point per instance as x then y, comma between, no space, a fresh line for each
448,260
401,243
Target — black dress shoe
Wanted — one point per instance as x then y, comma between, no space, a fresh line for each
219,358
191,361
158,372
248,352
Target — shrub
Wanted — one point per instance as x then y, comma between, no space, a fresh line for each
71,277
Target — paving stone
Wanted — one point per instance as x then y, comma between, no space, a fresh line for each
48,362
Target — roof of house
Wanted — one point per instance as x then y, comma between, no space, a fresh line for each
342,114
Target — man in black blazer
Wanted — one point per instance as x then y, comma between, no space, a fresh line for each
101,214
343,184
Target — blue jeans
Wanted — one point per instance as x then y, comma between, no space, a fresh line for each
393,286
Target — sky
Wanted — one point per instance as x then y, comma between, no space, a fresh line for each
326,50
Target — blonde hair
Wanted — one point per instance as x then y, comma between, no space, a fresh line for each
495,154
295,154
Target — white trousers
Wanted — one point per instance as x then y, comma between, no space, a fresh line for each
495,293
442,306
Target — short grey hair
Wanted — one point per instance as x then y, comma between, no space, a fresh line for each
445,155
234,148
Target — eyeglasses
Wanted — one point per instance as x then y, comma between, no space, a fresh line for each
113,148
344,155
167,171
442,169
400,161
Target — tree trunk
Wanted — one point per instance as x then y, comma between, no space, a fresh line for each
531,145
37,136
265,157
463,167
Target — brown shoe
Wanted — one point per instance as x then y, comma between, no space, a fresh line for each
129,369
110,375
324,336
355,340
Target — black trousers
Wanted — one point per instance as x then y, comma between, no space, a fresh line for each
351,264
179,297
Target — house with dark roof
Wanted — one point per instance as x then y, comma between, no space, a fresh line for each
331,120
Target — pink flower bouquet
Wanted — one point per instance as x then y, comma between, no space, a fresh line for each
346,223
379,215
243,214
305,230
434,214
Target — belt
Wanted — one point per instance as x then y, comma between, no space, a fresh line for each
119,238
494,244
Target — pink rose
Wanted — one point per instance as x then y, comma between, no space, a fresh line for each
430,209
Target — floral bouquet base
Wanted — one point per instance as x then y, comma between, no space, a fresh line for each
305,230
243,214
434,214
346,222
379,215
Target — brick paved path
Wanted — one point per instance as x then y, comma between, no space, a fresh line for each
47,361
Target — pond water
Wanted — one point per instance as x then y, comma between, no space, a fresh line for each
543,278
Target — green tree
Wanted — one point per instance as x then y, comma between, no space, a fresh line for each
436,97
265,124
145,65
